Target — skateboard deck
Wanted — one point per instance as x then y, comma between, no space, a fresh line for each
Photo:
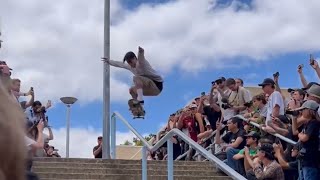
136,110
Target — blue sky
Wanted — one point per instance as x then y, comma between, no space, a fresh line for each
190,42
180,87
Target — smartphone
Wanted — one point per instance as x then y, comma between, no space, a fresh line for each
276,74
31,88
203,93
300,66
311,59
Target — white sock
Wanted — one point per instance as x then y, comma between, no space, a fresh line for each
140,95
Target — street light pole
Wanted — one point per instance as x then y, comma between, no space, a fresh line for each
68,101
106,84
68,131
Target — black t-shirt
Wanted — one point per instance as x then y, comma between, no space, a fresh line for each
98,155
212,116
230,138
312,145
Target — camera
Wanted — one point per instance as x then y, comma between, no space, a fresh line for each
312,61
293,113
225,103
226,106
277,74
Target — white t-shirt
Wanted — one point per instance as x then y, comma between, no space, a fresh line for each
226,113
274,99
263,111
248,94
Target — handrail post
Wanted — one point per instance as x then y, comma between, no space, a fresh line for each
113,136
170,159
144,163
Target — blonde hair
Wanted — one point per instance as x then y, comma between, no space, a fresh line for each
15,80
13,149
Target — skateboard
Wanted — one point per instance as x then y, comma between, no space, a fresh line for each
137,110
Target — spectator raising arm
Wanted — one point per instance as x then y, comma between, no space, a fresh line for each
314,64
301,75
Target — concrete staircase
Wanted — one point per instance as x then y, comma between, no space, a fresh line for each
61,168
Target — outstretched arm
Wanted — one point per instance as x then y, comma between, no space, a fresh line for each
116,63
141,54
316,67
302,78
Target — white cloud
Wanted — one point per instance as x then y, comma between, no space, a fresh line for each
55,45
83,140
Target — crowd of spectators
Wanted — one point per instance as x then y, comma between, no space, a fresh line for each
33,118
221,121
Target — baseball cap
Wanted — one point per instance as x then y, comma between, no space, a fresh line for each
309,85
253,134
220,79
309,104
267,81
291,90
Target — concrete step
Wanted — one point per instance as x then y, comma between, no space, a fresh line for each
117,161
160,166
104,171
75,168
61,176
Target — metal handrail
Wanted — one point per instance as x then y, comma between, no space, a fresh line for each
274,134
224,167
204,140
252,123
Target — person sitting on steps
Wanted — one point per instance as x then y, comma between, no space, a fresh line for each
147,82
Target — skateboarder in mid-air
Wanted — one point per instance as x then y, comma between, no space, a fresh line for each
147,82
